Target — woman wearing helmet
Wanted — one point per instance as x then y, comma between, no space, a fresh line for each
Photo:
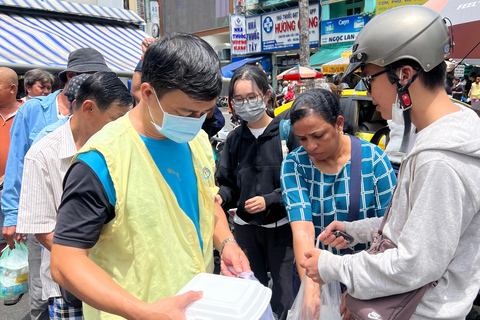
434,219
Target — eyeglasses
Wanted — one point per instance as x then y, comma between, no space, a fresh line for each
367,81
252,100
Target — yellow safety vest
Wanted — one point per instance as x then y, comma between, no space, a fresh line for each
151,247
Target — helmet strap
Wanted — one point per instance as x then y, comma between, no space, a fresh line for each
405,105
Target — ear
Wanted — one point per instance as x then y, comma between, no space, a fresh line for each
407,74
146,90
13,89
88,108
340,123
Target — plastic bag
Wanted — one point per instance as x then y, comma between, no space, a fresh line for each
330,296
298,310
14,271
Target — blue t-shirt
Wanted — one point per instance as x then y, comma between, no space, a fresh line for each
175,163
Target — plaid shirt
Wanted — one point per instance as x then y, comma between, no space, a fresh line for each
312,195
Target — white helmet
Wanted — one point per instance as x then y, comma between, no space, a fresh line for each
408,32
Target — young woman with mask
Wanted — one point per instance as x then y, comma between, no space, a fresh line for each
249,179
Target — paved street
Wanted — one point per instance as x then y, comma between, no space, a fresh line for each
20,311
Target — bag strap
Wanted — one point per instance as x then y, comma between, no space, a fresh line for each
284,129
355,178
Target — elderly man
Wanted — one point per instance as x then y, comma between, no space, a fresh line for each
31,118
37,82
101,98
8,108
134,225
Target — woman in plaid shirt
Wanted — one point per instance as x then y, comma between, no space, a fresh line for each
315,177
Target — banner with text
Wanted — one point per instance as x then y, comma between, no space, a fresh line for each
384,5
342,29
280,29
238,37
254,34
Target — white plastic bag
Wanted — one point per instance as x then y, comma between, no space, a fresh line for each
14,271
330,296
299,311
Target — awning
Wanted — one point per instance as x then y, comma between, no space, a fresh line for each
228,70
336,66
76,9
28,42
328,53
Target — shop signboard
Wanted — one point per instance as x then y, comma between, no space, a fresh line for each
238,35
254,34
459,71
280,29
384,5
342,29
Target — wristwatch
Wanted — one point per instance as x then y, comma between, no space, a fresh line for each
224,242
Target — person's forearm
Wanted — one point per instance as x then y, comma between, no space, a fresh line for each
221,229
45,239
303,240
73,270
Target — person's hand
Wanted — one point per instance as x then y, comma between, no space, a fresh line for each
170,308
146,42
255,205
10,235
328,238
218,199
233,256
343,309
311,265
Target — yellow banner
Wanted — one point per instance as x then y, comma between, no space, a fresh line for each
339,68
384,5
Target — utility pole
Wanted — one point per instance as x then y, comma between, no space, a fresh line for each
304,38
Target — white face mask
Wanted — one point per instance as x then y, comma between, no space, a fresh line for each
397,111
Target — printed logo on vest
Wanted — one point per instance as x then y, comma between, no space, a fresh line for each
374,315
206,173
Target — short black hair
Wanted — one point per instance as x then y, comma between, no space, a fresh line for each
250,73
104,88
316,101
432,80
183,62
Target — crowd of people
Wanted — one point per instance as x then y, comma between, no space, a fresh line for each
121,203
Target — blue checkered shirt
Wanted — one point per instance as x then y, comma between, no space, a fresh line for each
312,195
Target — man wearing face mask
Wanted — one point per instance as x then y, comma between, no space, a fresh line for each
249,180
138,218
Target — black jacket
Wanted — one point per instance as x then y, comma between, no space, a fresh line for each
250,167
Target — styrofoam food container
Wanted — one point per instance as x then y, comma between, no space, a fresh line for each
226,298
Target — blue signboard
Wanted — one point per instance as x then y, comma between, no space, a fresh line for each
342,29
280,29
